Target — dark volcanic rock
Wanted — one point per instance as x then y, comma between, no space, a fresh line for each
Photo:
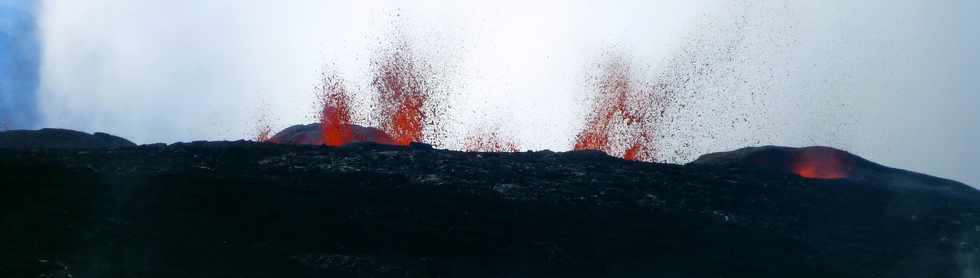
51,138
240,209
311,134
299,135
788,160
824,163
775,158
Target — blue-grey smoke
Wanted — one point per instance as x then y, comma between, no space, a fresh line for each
19,64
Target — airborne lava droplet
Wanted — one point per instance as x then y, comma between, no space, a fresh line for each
821,163
405,85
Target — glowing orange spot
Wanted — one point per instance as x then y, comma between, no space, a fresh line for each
634,152
335,122
595,137
821,163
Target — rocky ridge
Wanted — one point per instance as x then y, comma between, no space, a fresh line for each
245,209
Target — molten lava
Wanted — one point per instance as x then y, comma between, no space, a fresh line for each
613,91
335,116
405,87
618,122
821,163
490,142
638,151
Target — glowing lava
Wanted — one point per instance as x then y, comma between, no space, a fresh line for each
613,91
405,86
639,150
821,163
618,122
335,116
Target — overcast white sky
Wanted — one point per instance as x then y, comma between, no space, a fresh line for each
894,81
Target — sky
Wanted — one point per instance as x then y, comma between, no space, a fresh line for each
19,64
892,81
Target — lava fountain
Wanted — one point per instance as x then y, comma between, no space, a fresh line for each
618,122
405,86
335,116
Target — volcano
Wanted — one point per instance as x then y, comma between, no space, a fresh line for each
822,163
248,209
312,134
809,162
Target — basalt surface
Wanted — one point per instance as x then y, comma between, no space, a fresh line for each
243,209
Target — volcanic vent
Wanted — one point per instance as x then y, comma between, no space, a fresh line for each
406,86
624,114
406,104
810,162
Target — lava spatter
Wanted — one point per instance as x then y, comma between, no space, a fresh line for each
640,150
405,86
263,128
335,115
490,141
619,122
612,92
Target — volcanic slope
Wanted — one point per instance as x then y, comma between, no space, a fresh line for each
242,209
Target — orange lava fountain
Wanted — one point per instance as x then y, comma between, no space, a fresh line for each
617,118
405,86
335,117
